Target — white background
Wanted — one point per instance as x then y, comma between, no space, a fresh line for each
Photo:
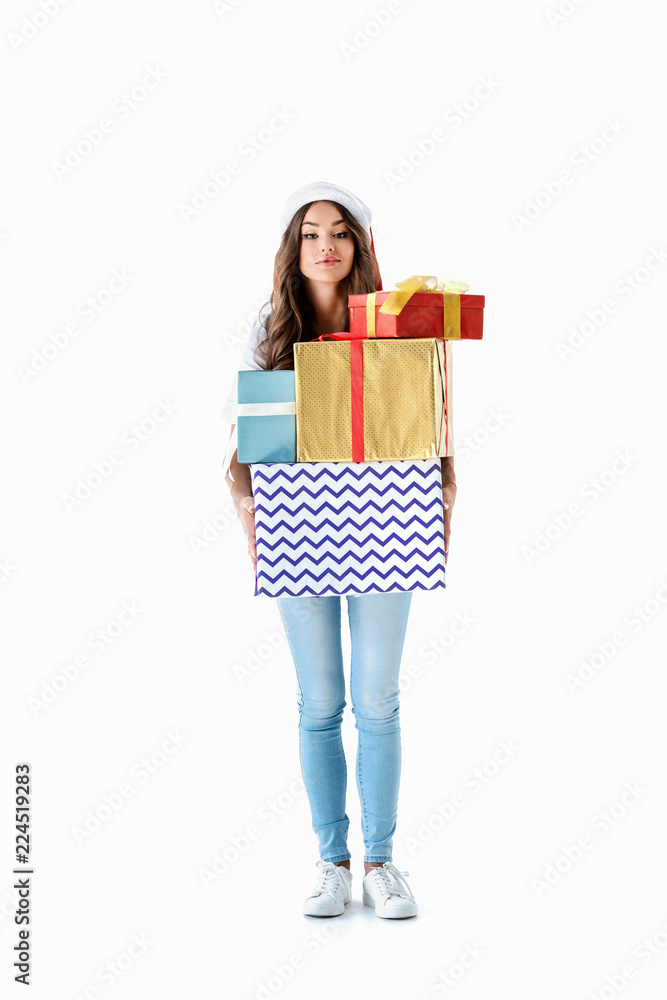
159,533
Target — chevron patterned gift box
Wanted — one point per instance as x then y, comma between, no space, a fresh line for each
348,527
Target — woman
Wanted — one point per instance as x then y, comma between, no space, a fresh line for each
326,253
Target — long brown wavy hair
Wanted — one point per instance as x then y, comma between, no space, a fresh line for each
292,317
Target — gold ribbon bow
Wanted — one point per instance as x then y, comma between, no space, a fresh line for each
451,292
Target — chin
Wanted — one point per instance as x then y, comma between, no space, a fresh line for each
328,276
330,273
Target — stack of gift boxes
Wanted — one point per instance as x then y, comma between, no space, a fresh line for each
344,451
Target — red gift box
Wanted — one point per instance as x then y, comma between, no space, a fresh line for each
421,316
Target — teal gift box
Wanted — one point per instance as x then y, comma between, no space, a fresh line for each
266,416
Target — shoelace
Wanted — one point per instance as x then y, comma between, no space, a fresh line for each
382,878
328,879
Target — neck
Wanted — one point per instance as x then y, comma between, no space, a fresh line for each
330,304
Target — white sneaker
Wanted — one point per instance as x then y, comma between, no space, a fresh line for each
386,890
331,892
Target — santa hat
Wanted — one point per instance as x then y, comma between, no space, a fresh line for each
325,191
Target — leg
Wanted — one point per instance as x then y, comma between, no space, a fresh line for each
312,627
378,623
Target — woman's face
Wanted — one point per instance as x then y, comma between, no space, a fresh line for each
327,245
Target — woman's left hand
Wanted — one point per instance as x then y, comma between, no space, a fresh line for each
448,497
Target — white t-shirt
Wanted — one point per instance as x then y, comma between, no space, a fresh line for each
248,363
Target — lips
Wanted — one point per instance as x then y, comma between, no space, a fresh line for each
328,260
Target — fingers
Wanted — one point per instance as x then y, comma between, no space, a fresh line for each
247,515
249,525
250,529
447,537
252,547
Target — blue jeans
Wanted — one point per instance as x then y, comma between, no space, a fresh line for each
378,624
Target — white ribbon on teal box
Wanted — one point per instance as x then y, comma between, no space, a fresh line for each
266,416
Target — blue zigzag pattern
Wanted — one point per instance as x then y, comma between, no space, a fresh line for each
352,538
352,507
342,591
344,490
349,506
394,571
358,558
328,523
301,472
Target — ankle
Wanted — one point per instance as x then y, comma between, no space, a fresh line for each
343,864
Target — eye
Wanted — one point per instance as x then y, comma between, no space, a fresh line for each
308,236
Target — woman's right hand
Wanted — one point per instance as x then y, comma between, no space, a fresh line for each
245,510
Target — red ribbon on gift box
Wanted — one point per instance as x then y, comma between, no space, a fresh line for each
356,387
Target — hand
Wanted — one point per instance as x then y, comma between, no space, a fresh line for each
245,510
448,498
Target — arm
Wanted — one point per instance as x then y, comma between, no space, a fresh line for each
448,496
238,477
240,486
